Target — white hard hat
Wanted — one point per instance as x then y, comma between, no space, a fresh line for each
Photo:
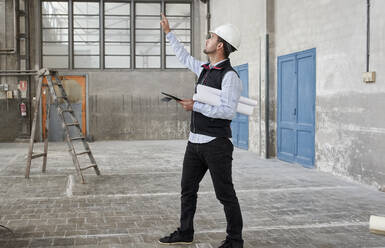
229,33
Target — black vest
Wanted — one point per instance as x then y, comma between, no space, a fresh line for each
205,125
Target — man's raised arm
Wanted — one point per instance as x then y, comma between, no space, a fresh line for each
181,53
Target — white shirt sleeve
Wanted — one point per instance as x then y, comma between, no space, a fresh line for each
183,56
231,92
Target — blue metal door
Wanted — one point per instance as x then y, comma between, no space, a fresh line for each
296,107
240,124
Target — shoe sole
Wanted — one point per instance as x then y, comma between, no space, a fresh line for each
176,243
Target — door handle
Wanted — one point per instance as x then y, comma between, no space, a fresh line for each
295,111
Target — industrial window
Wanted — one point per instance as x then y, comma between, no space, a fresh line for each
108,34
117,47
147,35
179,17
55,34
86,34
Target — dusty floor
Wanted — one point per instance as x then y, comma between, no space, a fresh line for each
136,201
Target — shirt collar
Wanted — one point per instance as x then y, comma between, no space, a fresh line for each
208,66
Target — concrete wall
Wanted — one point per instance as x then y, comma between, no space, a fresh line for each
122,104
11,123
350,121
127,105
250,18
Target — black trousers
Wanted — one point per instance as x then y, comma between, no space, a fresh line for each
215,156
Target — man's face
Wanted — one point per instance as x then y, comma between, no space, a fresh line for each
211,44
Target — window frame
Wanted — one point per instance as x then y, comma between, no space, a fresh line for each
164,57
132,43
73,28
161,4
42,29
105,55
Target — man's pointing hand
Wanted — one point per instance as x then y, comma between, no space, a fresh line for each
165,25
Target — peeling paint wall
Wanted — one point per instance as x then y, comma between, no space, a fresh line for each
122,105
350,120
11,122
250,17
127,106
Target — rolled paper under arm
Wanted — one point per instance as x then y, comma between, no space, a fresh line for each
207,97
245,109
377,224
248,101
212,97
215,100
205,89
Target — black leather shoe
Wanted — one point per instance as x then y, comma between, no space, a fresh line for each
176,238
228,243
225,244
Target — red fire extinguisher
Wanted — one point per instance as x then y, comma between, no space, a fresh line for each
23,109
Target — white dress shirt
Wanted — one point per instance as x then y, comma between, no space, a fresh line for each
231,90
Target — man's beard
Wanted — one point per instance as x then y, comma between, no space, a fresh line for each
205,51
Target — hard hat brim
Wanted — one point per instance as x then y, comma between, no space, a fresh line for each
235,48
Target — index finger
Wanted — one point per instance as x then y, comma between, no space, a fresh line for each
163,16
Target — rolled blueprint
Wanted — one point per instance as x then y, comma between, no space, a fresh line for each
207,97
248,101
206,89
212,97
245,109
377,224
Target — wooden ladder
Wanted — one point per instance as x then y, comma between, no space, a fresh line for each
68,118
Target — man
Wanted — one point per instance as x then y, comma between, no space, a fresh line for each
209,146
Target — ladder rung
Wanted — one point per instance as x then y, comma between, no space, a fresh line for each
38,155
85,168
22,36
81,153
67,110
64,97
73,124
77,138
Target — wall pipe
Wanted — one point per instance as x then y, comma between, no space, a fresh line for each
267,98
15,71
260,97
367,35
208,16
16,74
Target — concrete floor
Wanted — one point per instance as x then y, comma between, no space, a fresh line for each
136,201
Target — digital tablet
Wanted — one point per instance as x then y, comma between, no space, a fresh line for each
173,97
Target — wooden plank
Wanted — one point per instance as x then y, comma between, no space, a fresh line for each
38,155
33,131
85,168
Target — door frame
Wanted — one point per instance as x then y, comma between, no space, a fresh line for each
281,59
237,69
42,106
